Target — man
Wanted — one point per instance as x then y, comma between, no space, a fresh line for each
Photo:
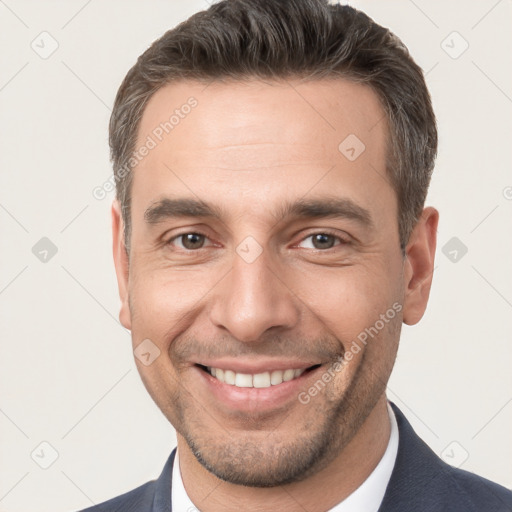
272,160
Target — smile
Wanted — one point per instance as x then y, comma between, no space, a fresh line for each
255,380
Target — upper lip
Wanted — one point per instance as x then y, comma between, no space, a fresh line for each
260,366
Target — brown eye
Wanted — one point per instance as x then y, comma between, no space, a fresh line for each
190,241
323,241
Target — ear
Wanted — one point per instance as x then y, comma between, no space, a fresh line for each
121,263
419,266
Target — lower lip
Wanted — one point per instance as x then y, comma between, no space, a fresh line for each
255,399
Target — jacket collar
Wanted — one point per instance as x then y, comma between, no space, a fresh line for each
418,473
163,490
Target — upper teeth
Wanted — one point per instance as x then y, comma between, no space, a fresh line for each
258,380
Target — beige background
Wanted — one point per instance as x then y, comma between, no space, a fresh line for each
67,375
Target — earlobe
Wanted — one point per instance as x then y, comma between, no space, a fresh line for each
121,263
419,266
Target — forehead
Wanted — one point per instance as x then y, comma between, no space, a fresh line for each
256,137
255,111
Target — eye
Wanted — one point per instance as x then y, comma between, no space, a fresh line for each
188,241
323,241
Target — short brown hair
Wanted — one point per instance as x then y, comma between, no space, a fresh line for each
281,39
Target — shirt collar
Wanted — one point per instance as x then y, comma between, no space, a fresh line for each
369,495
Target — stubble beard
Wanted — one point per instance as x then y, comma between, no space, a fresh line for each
271,459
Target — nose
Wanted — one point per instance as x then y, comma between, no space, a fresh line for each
253,298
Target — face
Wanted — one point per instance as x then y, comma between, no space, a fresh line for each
264,244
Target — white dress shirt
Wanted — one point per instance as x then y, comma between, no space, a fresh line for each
366,498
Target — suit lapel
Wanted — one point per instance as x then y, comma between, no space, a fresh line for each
417,474
162,501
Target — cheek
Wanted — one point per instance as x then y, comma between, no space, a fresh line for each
348,300
163,299
362,309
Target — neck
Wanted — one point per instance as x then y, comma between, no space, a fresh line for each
321,491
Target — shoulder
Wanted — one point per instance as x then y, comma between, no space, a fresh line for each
421,481
476,492
133,500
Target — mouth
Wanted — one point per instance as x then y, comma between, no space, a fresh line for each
265,379
260,386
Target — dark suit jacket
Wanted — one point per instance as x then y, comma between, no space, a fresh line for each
420,482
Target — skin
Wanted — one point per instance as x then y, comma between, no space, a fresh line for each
250,148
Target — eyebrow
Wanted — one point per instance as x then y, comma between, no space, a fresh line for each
175,208
328,207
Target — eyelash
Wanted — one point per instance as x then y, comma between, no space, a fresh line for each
342,240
